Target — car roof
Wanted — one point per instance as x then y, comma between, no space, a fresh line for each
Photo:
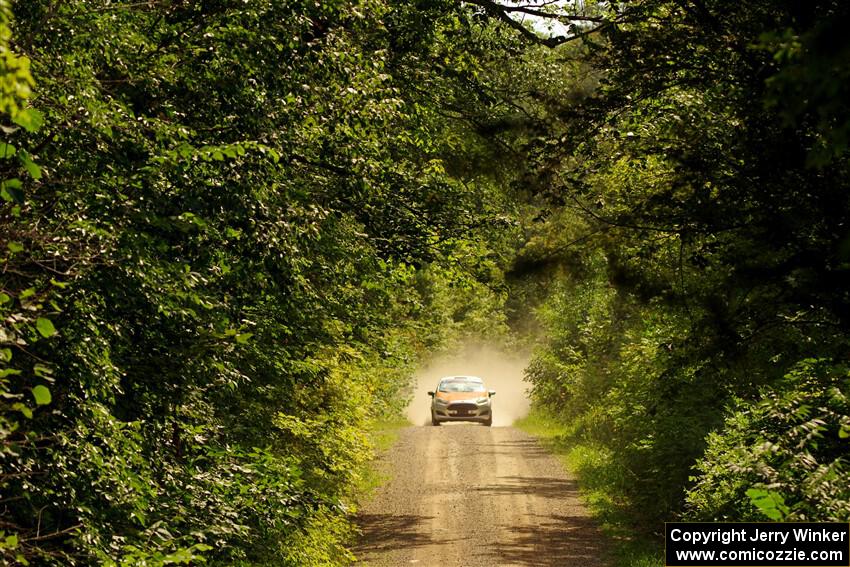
463,379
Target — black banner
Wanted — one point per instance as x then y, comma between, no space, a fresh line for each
757,544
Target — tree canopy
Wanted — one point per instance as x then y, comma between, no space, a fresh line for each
230,230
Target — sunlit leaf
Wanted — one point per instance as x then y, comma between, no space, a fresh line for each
7,150
41,395
30,119
45,327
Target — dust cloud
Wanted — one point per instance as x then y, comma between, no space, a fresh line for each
501,371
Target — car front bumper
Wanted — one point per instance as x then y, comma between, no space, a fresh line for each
462,412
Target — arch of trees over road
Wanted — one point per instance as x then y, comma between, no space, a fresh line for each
230,229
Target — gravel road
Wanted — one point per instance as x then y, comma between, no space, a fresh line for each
470,496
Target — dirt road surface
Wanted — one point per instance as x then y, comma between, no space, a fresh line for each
468,496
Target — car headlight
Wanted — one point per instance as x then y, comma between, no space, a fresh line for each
482,401
441,401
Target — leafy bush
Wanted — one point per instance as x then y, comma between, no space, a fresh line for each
784,457
687,242
214,271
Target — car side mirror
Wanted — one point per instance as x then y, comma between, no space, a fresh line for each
492,393
431,394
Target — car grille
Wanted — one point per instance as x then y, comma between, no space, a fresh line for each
463,407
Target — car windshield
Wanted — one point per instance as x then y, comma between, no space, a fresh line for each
460,386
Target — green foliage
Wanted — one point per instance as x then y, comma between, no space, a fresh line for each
610,368
16,81
45,327
769,503
230,232
685,238
231,229
41,395
787,453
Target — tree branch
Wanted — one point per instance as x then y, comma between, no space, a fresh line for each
503,12
539,13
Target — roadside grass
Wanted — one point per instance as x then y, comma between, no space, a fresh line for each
382,434
596,477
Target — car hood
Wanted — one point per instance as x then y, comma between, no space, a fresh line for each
455,396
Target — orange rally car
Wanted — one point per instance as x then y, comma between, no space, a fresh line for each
462,398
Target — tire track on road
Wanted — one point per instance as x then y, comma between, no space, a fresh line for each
472,496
